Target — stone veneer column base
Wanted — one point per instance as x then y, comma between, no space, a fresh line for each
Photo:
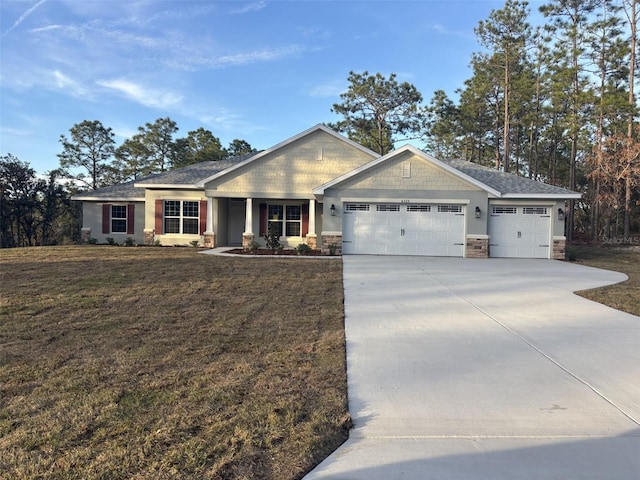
334,239
247,240
85,234
477,246
149,236
209,240
312,241
559,248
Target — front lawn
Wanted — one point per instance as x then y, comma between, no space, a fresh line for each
626,259
163,363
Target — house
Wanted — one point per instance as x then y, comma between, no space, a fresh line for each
321,188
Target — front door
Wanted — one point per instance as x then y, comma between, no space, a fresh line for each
237,211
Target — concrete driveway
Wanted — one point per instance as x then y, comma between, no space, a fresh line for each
486,369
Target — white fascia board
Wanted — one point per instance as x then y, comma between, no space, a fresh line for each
419,153
166,186
543,196
318,127
84,198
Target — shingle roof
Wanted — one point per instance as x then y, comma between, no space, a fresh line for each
507,183
122,191
192,174
180,177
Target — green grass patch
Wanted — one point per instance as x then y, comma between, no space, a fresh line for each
626,259
163,363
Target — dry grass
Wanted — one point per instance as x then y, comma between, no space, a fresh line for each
624,296
162,363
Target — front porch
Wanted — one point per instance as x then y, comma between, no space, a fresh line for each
235,222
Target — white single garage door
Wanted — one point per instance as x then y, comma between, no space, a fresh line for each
519,232
403,229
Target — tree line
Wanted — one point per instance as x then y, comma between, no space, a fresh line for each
554,103
90,156
39,211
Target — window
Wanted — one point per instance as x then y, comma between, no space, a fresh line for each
181,217
504,210
383,207
534,210
285,220
449,208
418,208
118,219
357,207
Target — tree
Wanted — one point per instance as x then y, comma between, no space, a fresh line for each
157,139
480,114
200,145
607,51
376,109
631,13
132,160
616,169
19,191
441,127
239,147
569,25
90,149
506,34
58,219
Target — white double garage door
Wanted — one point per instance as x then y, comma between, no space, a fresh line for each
439,230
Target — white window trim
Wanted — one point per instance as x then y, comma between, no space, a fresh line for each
181,217
112,218
283,221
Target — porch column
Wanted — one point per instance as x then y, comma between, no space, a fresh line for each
209,234
209,214
248,237
312,238
312,217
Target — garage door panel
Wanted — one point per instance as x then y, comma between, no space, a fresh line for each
401,229
519,232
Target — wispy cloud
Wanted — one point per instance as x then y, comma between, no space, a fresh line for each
20,132
149,97
331,89
63,82
23,17
250,7
256,56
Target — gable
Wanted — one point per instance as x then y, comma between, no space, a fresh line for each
292,170
407,171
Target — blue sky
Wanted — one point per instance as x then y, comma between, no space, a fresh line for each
261,71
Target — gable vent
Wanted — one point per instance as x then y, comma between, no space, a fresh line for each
406,170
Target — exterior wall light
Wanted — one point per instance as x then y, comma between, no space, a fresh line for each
560,214
478,212
332,210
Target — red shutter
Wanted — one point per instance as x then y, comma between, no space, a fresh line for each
203,216
263,219
158,215
305,219
106,218
131,213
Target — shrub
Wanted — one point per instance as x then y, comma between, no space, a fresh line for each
93,241
157,243
110,241
273,240
303,249
333,249
194,243
129,242
253,246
